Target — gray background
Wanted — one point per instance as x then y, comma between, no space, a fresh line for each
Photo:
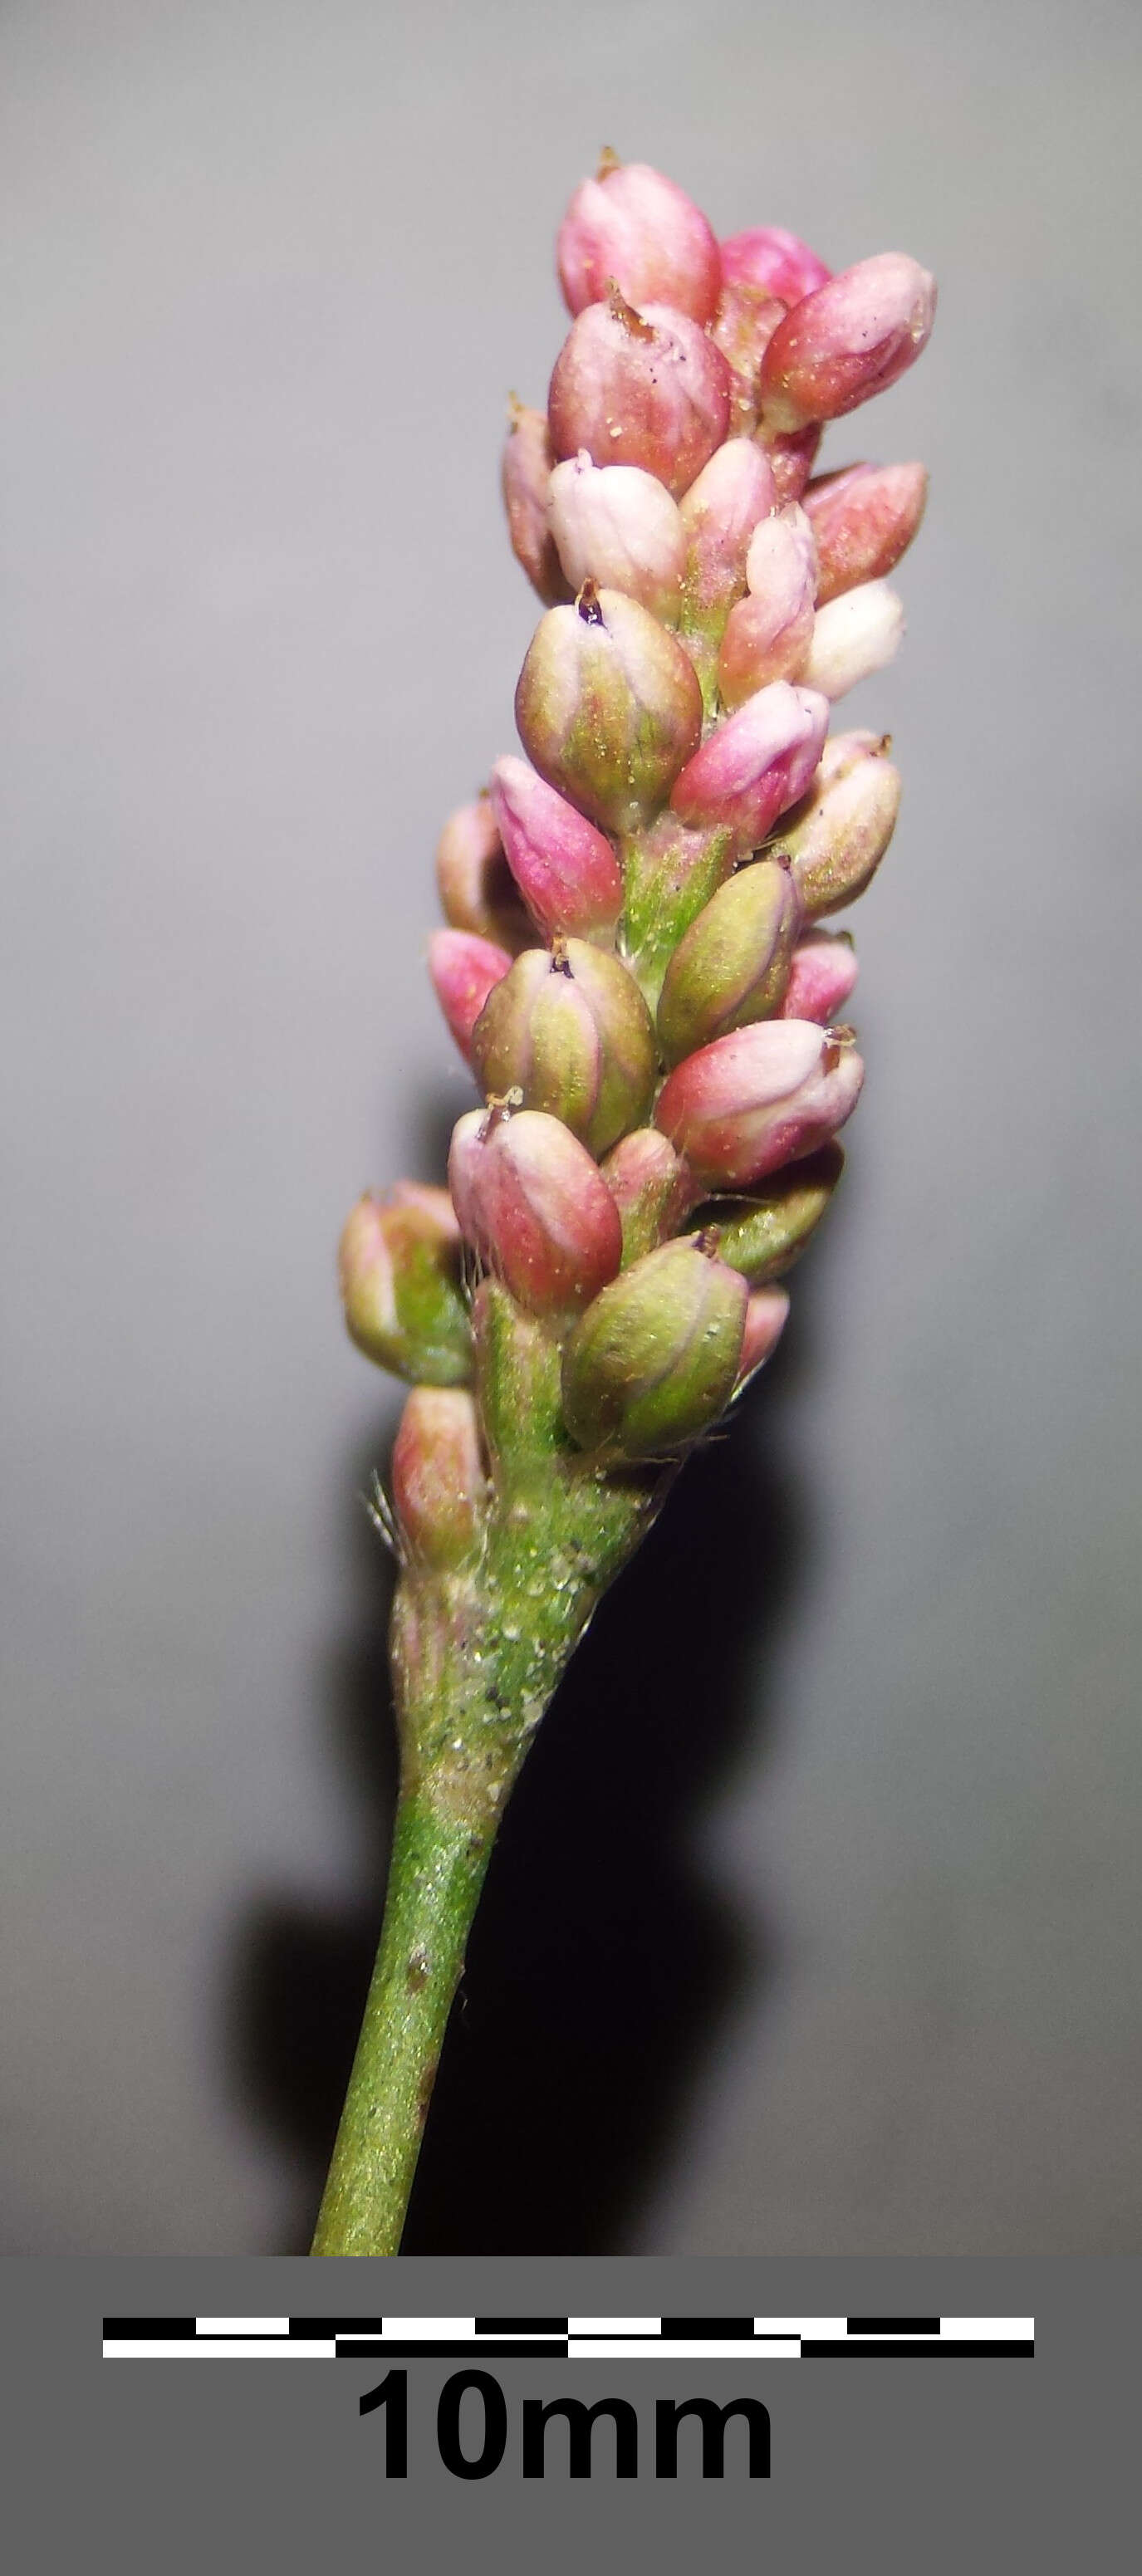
815,1926
984,2464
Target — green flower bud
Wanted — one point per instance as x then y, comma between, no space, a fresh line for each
569,1029
733,964
399,1263
838,836
654,1360
764,1235
608,707
669,874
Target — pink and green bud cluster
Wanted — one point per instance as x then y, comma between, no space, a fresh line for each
633,963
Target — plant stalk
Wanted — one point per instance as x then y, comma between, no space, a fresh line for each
477,1651
436,1874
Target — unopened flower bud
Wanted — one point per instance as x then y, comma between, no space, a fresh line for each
766,1315
732,965
763,1236
651,1188
773,262
792,454
822,978
631,224
654,1360
769,632
526,472
464,968
570,1031
853,636
848,341
719,514
837,841
743,327
758,1098
862,519
670,873
477,890
566,871
617,526
438,1478
640,388
399,1263
755,765
608,706
534,1204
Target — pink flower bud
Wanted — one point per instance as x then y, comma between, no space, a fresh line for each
536,1208
769,633
399,1266
773,261
862,519
477,890
853,636
631,224
567,873
848,341
438,1480
792,455
643,389
526,472
463,970
570,1031
651,1188
837,841
719,515
617,526
822,978
743,327
654,1360
734,961
608,706
756,764
766,1315
758,1098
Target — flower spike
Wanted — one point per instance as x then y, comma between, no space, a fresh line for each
633,966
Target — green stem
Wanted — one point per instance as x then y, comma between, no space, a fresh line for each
436,1874
477,1651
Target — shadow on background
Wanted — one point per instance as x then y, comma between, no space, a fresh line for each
602,1960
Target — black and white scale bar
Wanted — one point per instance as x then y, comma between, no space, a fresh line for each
568,2338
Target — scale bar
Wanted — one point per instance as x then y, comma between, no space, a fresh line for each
522,2326
386,2348
925,2348
894,2325
219,2348
562,2339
